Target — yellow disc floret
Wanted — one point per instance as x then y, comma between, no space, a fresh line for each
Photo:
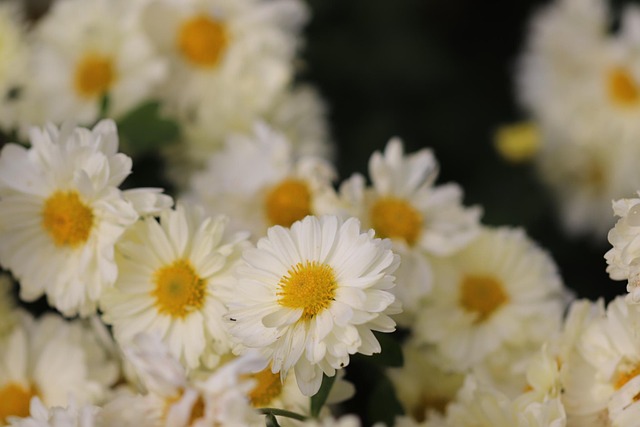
482,295
67,219
197,410
94,75
395,218
202,40
288,202
624,377
179,291
622,87
310,286
268,387
14,401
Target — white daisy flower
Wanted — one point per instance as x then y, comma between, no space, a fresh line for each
501,290
259,182
423,388
13,55
84,50
309,296
73,415
404,205
601,379
171,278
53,360
61,213
173,400
623,259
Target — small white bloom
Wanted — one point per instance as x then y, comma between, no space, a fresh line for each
501,290
309,296
73,415
259,182
172,275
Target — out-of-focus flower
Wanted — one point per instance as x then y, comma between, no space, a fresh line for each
309,296
13,58
84,50
500,290
61,213
258,182
53,360
172,275
73,415
518,143
403,205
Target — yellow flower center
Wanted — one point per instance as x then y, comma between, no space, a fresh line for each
14,401
197,410
67,220
395,218
518,142
288,202
310,286
624,377
622,87
202,40
94,75
179,291
268,387
482,295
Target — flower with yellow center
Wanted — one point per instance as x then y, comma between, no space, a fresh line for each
72,414
622,88
14,401
309,296
172,278
403,204
500,290
64,212
258,182
94,75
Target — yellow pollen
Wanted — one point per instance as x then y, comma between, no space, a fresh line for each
624,377
94,75
14,401
202,40
310,286
268,387
67,220
482,295
288,202
622,87
179,291
395,218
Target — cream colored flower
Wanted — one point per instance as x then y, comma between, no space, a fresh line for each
309,296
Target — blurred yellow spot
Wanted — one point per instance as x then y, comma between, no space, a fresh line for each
94,75
310,286
179,290
14,401
197,410
395,218
482,295
202,40
517,143
67,220
268,387
622,87
288,202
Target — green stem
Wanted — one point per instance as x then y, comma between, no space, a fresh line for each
283,413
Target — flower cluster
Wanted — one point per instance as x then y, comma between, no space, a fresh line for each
245,293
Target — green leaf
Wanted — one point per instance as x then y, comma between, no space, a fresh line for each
271,420
391,354
283,413
144,129
318,400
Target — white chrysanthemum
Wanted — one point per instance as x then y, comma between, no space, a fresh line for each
73,415
601,378
170,281
423,388
229,59
172,400
84,50
480,406
501,290
259,182
309,296
13,54
61,213
623,259
582,86
403,205
52,359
